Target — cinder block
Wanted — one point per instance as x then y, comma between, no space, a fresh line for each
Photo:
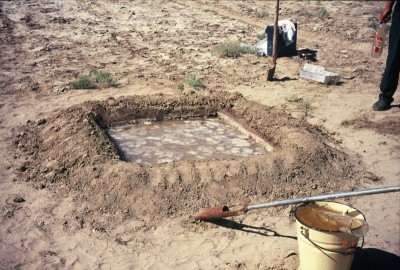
319,74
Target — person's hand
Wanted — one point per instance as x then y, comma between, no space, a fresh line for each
385,16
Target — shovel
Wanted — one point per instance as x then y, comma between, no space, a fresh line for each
208,214
271,71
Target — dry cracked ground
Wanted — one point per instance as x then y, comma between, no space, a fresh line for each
68,200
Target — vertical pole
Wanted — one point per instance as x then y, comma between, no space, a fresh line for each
275,44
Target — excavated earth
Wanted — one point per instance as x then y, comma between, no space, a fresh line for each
70,153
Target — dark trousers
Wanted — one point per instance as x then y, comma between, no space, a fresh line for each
391,76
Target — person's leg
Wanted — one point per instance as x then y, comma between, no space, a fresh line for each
391,75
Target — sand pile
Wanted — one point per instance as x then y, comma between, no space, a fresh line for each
70,153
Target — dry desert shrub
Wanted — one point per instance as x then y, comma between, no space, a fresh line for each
96,79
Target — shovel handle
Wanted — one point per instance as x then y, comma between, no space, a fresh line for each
208,214
324,197
275,43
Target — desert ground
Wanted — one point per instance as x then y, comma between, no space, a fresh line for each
69,201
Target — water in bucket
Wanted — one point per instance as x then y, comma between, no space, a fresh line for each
328,235
326,218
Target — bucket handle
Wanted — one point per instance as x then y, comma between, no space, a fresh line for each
347,251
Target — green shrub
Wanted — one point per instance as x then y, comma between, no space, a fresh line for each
83,82
324,13
96,79
232,49
194,82
103,79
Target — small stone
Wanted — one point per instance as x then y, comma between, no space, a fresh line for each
41,121
23,168
314,186
19,199
35,87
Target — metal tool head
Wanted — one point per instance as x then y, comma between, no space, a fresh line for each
218,212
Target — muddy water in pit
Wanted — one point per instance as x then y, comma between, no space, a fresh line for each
164,141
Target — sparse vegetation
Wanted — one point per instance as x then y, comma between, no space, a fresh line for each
103,79
373,23
324,13
294,98
305,12
303,106
232,49
83,82
181,87
193,81
96,79
249,10
321,12
261,13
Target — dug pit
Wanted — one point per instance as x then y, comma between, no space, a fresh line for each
71,153
152,142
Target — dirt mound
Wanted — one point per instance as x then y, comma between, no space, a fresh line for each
70,153
384,126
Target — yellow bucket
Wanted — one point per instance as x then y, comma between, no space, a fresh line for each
322,248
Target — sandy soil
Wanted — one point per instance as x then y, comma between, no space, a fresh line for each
67,200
